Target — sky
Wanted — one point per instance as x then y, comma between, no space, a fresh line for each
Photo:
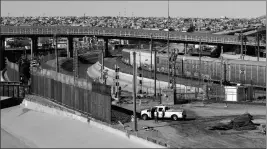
206,9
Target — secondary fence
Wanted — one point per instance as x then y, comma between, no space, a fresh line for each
13,89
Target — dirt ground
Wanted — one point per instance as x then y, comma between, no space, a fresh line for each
193,132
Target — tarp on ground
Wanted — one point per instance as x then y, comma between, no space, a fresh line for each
242,122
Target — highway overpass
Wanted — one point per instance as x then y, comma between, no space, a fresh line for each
71,32
117,33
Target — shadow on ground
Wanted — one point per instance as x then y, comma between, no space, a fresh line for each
10,102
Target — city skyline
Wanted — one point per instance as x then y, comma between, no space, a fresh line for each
198,9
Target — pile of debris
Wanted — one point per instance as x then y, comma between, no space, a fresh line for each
242,122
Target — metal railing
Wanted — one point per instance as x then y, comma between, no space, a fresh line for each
14,89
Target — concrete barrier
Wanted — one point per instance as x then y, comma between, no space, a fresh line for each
54,111
4,76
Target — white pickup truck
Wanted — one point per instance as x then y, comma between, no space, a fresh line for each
163,112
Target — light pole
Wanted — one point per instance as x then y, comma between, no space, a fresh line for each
168,44
241,55
200,55
134,90
56,52
155,73
102,61
83,18
258,46
75,61
151,52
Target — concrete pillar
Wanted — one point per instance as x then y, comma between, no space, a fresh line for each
185,48
70,47
221,50
34,46
2,50
151,53
106,53
56,53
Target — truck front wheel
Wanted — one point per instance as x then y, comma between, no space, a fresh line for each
175,117
144,117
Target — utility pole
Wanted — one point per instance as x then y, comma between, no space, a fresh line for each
140,75
266,73
102,61
168,44
241,56
173,58
200,55
56,52
221,82
155,74
134,91
258,46
151,53
75,61
84,18
117,84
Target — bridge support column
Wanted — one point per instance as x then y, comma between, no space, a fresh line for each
221,50
185,48
70,47
106,53
34,46
151,53
2,51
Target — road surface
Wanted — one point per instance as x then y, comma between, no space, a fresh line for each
21,127
10,141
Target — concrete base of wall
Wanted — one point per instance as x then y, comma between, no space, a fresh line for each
45,109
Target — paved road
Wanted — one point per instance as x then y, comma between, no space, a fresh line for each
10,141
49,131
